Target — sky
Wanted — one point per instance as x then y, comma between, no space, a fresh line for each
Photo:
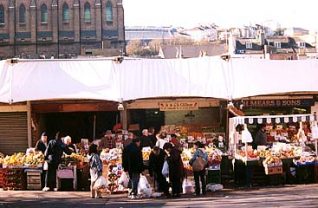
224,13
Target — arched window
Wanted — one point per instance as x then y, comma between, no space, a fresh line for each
87,12
1,14
44,14
109,11
22,13
66,13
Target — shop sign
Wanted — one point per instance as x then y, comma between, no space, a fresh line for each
276,103
173,106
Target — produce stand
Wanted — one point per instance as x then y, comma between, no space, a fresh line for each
277,162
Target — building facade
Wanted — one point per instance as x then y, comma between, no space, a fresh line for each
59,28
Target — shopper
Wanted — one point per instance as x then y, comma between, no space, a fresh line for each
146,140
68,142
199,175
176,142
261,136
107,141
176,169
41,144
127,140
53,155
152,135
156,160
96,169
161,140
133,164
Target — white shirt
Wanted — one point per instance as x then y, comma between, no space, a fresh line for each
160,142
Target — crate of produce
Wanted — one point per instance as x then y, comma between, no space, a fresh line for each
273,170
34,179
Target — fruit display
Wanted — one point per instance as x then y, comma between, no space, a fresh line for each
34,159
108,155
272,161
15,160
305,160
74,158
251,155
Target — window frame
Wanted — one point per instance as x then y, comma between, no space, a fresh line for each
87,8
109,5
22,14
44,14
65,10
2,10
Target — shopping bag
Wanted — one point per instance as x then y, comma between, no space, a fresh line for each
165,169
187,187
199,164
144,188
124,180
100,183
45,165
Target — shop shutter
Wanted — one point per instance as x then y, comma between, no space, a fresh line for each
13,132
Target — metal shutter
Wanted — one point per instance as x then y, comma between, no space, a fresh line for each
13,132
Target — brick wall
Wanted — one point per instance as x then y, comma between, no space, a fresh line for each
35,37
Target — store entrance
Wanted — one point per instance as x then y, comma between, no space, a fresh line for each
147,118
90,125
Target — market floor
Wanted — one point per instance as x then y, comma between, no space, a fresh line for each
291,196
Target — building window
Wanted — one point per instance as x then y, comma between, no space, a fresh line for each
249,45
22,13
278,44
109,12
66,13
87,12
1,14
44,14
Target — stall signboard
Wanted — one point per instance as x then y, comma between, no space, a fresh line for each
276,103
178,105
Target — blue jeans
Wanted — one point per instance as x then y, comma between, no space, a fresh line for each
134,180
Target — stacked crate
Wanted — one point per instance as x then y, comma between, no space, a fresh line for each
33,179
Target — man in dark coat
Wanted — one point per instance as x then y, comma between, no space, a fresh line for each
133,164
41,144
176,169
261,136
53,156
146,139
156,160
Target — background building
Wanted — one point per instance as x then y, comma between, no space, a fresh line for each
64,28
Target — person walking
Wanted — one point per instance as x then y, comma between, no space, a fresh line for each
176,169
133,165
96,169
199,174
156,161
53,155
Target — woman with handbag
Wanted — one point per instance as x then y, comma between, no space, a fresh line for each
199,162
96,169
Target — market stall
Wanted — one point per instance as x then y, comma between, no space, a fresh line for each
289,153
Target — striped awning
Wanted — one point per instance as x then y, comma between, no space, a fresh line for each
272,119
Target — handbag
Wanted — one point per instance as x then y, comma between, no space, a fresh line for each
199,164
165,169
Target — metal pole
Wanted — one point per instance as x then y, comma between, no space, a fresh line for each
29,124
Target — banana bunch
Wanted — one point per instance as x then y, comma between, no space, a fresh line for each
17,159
75,157
34,159
264,153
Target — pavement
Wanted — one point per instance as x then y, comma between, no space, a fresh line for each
288,196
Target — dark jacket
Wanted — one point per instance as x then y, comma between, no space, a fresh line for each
132,159
54,151
146,142
176,169
40,146
261,138
156,162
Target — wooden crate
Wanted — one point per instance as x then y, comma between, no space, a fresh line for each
273,170
34,180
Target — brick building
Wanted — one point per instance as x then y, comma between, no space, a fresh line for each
29,28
